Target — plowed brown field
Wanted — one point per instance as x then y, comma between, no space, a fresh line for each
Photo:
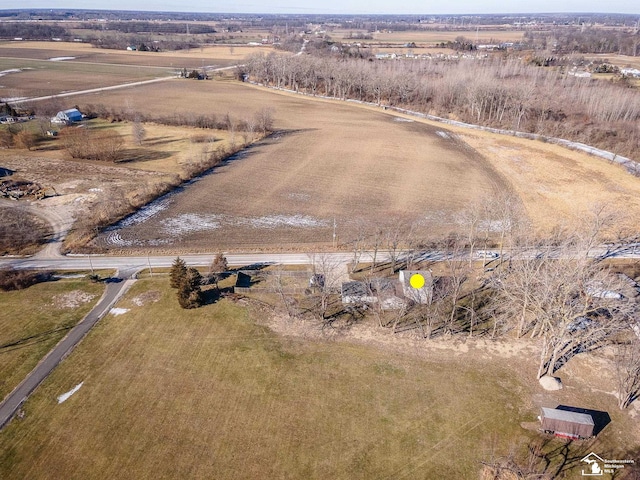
328,161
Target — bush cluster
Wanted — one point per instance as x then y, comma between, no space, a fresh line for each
11,279
187,281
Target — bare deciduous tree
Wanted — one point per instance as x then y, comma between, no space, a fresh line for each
217,269
138,132
328,271
564,299
627,367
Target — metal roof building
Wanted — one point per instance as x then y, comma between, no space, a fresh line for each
565,423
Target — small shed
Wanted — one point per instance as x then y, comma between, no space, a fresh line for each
567,424
420,295
68,116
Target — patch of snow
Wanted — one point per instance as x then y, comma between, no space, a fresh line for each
11,70
303,197
13,99
114,238
118,311
274,221
95,189
65,396
403,120
145,213
190,222
59,59
442,134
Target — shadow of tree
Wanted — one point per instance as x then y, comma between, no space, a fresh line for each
135,155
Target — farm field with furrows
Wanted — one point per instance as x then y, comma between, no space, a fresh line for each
31,78
327,161
215,56
355,164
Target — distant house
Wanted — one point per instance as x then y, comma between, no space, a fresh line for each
422,295
67,116
566,423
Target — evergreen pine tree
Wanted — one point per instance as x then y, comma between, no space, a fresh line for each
178,273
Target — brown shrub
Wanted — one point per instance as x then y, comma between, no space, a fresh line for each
25,139
92,144
6,139
11,279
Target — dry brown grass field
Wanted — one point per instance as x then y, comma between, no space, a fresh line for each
209,393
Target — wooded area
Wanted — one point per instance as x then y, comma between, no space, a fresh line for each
493,92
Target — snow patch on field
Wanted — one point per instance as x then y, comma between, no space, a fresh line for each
301,197
114,238
11,70
442,134
145,213
274,221
404,120
65,396
118,311
59,59
190,222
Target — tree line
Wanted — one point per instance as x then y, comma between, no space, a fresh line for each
32,31
565,40
493,92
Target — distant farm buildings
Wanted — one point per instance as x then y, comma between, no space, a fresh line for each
67,117
630,72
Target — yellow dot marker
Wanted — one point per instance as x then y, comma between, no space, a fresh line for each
416,281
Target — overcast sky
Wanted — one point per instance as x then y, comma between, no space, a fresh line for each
344,6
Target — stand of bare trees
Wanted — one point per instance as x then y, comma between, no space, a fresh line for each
491,92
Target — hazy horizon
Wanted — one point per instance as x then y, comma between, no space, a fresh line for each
348,7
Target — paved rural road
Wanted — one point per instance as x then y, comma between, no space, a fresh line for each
14,400
112,87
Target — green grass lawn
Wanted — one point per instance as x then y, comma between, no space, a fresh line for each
208,393
33,320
